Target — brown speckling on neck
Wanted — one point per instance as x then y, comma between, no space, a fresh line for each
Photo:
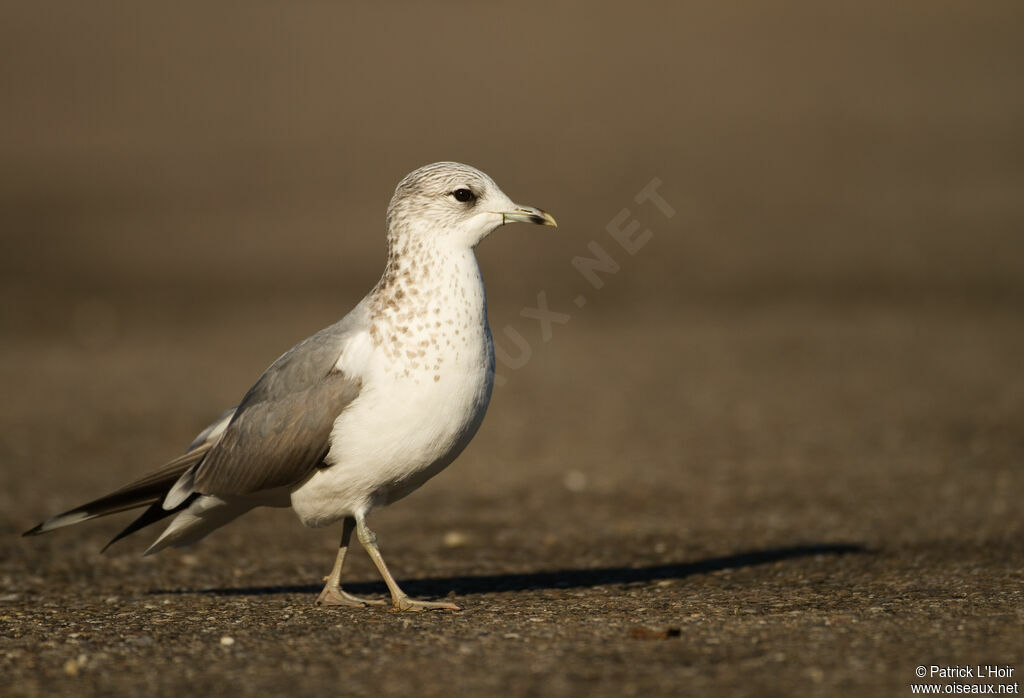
431,287
412,304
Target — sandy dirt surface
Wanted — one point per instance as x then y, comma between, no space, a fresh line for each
777,452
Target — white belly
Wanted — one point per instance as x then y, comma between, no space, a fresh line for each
403,429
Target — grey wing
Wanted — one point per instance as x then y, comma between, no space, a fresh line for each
280,432
210,434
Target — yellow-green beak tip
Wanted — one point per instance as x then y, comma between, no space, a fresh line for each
528,214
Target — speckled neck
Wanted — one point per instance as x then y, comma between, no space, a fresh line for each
429,306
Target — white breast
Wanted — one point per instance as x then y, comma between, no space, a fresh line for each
425,391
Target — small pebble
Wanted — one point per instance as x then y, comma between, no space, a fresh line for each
455,539
575,481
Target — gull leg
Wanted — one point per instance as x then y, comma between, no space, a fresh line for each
399,598
333,594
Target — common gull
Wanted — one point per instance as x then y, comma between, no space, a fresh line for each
363,412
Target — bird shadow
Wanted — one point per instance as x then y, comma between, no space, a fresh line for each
556,579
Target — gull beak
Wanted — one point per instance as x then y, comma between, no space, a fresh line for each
528,214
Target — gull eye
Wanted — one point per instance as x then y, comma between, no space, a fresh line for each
463,195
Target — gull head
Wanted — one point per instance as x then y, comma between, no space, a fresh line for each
451,204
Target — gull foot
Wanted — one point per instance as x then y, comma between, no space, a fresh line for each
404,603
338,597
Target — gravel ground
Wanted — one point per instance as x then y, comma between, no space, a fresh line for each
840,509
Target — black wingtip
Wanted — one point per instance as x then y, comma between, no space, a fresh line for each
154,513
68,518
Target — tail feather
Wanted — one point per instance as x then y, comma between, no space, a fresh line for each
154,513
199,516
147,490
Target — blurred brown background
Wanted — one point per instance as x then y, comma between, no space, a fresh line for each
821,347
